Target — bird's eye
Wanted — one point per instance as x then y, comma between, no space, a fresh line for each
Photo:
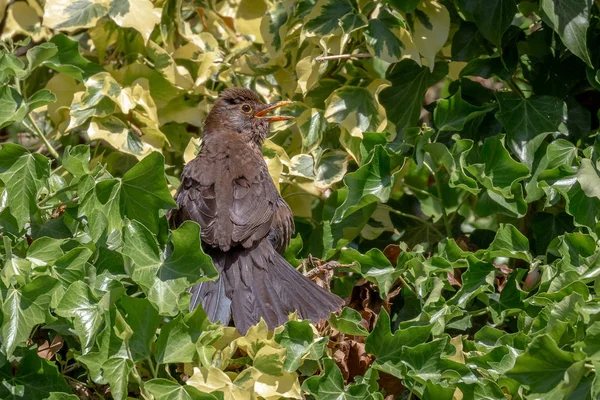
246,108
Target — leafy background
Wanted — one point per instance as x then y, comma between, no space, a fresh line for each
442,171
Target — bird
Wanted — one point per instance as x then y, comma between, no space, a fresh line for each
245,225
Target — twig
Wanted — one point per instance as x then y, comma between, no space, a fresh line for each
57,205
38,132
342,56
60,191
328,266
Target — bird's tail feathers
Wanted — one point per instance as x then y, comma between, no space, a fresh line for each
258,282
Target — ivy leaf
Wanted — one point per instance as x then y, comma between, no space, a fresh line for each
164,389
544,365
25,174
144,191
68,60
23,309
374,266
588,178
370,183
35,379
40,53
79,303
40,98
356,109
384,36
492,17
404,99
299,340
571,20
431,26
508,242
116,371
451,114
324,18
76,160
187,260
348,322
175,343
524,119
143,319
495,169
12,106
72,15
330,385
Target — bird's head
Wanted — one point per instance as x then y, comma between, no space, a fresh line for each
240,111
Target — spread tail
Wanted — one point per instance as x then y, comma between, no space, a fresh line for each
258,282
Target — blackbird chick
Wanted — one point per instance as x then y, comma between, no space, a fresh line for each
245,224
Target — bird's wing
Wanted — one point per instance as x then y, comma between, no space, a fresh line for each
232,198
253,205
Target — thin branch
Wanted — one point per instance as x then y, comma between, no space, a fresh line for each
328,266
343,56
421,191
57,205
35,129
60,191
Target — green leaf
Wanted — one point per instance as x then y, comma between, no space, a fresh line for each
524,119
330,385
164,389
76,160
356,109
571,20
299,340
509,242
454,160
71,15
451,114
143,319
407,6
584,209
175,343
544,365
79,303
40,53
492,17
40,98
23,175
383,36
187,260
495,169
23,309
324,18
370,183
404,99
116,371
144,191
34,379
588,178
141,246
348,322
479,278
547,226
466,42
388,347
71,266
68,60
374,266
12,107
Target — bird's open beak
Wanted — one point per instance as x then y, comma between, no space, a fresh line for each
262,114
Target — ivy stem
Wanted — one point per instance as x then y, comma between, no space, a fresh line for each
421,191
153,367
33,127
60,191
64,203
343,56
438,185
429,224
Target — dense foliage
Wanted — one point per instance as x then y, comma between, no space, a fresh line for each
442,171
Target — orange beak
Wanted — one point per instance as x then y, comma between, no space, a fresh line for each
262,114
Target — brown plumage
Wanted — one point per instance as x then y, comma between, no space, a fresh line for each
245,224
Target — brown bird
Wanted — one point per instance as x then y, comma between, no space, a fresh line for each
245,224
